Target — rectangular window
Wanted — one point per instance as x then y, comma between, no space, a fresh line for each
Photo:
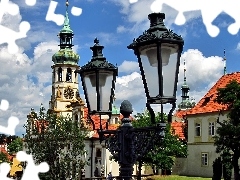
198,129
211,128
204,159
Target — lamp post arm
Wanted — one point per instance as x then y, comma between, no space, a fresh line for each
90,119
149,108
170,112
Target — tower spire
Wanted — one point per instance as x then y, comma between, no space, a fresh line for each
184,72
66,26
66,54
185,104
224,61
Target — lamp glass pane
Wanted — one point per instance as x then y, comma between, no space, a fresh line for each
90,82
105,89
148,55
170,60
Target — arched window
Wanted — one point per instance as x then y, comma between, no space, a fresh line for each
69,75
98,153
67,40
60,74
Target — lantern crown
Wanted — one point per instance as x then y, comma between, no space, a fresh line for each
98,61
156,32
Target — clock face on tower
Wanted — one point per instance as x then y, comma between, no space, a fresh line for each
68,93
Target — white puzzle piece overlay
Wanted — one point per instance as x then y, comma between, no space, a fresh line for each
31,172
9,36
209,14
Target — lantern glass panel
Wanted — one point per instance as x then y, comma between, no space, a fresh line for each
105,89
148,55
90,83
105,85
169,55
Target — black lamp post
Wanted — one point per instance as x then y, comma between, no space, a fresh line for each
158,51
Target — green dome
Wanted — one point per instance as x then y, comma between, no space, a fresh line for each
65,56
115,111
186,104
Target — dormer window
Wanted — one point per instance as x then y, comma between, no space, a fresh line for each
206,100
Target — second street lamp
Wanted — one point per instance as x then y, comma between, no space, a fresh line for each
98,80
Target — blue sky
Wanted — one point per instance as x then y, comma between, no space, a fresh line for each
26,76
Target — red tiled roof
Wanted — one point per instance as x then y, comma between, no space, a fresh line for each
96,121
207,104
178,129
181,113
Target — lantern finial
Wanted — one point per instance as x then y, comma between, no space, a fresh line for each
96,41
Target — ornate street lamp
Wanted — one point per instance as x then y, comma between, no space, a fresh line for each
158,52
98,80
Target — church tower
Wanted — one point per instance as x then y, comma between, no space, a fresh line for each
64,78
186,103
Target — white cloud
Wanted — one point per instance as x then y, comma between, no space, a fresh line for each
137,13
104,39
121,29
201,70
130,88
128,66
238,46
20,91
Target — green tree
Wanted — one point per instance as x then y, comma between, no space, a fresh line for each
228,134
15,146
227,165
57,140
164,152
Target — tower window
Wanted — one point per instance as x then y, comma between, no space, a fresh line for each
53,75
67,40
60,74
69,75
76,117
116,120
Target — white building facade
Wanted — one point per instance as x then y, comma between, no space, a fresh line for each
202,126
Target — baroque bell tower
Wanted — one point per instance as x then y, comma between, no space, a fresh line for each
64,78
